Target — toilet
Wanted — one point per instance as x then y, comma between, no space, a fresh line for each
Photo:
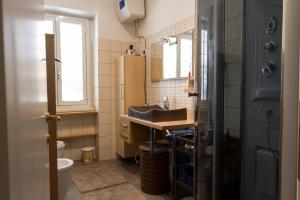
64,176
64,167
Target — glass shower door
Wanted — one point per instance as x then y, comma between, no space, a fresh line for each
239,86
219,58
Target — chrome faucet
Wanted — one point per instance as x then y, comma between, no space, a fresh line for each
166,103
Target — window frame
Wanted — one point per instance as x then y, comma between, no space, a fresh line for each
87,96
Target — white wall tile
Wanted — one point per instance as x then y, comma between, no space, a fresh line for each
104,57
89,142
104,118
113,129
104,93
104,69
113,154
104,82
76,153
104,106
112,141
76,143
64,131
114,56
112,69
104,130
76,129
104,44
116,46
112,117
104,154
104,142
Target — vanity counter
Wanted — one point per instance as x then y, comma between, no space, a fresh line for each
172,125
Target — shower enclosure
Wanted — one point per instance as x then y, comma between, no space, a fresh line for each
238,106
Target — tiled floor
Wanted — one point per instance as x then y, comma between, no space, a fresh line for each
129,170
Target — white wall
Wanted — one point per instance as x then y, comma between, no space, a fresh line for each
161,13
107,23
290,89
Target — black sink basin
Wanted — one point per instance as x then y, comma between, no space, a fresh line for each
156,113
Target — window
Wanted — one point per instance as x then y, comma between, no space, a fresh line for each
71,37
204,64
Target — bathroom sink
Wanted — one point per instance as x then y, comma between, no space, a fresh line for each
156,113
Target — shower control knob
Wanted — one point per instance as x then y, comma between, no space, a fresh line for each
271,26
269,46
268,69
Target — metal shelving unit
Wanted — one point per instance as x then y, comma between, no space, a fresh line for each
182,162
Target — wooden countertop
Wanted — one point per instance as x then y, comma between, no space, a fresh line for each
173,125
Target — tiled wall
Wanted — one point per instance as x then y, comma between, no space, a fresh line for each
80,124
77,125
233,52
106,52
174,89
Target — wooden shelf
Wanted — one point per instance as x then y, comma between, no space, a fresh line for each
84,112
76,136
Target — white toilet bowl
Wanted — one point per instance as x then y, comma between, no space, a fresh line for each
60,149
64,176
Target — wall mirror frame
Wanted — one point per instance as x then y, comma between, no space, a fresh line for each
173,57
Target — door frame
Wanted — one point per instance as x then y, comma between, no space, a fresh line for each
4,180
290,100
51,116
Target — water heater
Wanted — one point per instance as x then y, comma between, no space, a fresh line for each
130,10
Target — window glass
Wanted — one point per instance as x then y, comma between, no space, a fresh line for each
49,26
71,50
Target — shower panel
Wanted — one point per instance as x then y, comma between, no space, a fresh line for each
261,114
238,104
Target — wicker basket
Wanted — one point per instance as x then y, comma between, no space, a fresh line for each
88,154
154,171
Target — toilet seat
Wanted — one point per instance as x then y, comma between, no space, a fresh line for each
64,164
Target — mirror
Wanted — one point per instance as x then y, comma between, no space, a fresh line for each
172,57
